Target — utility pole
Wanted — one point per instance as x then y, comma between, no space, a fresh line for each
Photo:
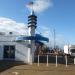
54,31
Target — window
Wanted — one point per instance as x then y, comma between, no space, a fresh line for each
9,51
73,50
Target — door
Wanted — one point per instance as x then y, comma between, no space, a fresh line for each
9,52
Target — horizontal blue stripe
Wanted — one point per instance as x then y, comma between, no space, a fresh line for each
37,37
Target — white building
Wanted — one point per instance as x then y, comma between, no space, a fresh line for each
13,47
20,47
10,49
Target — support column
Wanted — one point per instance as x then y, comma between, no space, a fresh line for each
74,60
66,59
56,60
47,60
38,59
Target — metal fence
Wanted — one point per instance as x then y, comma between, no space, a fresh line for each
56,59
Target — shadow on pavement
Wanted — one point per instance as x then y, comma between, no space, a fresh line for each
7,64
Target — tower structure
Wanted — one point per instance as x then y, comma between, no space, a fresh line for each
32,21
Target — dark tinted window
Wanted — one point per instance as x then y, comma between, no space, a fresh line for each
9,51
73,50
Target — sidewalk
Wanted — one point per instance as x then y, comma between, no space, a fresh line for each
42,69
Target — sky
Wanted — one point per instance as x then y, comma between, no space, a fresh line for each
58,15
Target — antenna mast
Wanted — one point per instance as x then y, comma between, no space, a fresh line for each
30,6
54,39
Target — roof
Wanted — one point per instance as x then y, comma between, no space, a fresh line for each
37,37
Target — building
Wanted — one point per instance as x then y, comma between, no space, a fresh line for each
10,49
21,47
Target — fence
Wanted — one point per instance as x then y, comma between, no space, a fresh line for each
56,59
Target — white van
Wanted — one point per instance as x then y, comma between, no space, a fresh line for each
69,49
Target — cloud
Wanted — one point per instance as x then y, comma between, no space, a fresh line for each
48,32
8,25
44,30
41,5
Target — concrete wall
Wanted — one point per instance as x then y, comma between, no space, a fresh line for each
21,52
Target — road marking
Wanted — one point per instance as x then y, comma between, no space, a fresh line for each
16,73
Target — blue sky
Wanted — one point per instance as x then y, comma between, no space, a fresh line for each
60,16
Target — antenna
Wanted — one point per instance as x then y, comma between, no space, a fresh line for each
54,38
30,6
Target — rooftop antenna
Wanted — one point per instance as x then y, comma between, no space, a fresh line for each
30,6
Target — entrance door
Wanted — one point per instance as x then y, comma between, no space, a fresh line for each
9,52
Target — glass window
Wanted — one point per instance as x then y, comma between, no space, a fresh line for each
73,50
9,51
